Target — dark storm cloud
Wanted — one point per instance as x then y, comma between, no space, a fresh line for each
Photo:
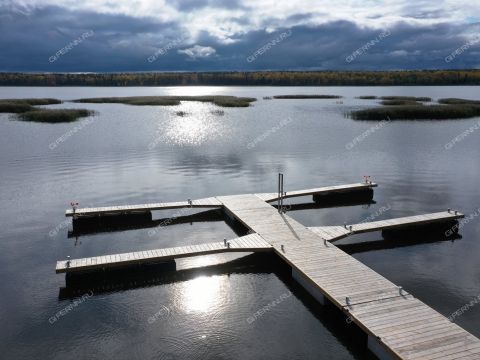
124,43
29,40
327,46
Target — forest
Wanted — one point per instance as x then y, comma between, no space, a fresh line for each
261,78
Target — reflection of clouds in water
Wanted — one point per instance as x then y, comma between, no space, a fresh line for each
198,126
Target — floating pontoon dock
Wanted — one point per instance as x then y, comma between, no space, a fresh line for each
398,325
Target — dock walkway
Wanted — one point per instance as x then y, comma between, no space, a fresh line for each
336,189
207,203
211,202
248,243
332,233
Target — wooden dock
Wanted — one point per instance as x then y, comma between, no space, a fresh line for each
337,189
248,243
211,202
207,203
398,325
332,233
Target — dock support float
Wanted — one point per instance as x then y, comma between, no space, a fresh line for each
376,347
310,288
365,194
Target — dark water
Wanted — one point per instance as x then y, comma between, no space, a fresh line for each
127,155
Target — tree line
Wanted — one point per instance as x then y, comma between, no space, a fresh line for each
264,78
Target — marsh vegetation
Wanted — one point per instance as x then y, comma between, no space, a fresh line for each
224,101
218,112
406,98
367,97
418,112
26,110
24,105
307,97
54,115
399,102
412,108
456,101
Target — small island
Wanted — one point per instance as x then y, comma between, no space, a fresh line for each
412,108
26,110
220,100
307,97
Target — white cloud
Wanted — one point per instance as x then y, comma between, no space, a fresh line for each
399,53
198,51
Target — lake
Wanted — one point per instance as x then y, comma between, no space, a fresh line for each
138,154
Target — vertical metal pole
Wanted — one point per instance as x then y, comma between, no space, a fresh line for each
278,193
281,190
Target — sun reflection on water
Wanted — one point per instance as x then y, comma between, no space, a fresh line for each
202,294
198,124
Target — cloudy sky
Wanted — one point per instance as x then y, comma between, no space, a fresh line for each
215,35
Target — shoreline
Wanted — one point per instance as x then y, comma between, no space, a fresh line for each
246,78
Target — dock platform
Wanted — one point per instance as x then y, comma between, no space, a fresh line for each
332,233
247,243
398,325
208,203
336,189
211,202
